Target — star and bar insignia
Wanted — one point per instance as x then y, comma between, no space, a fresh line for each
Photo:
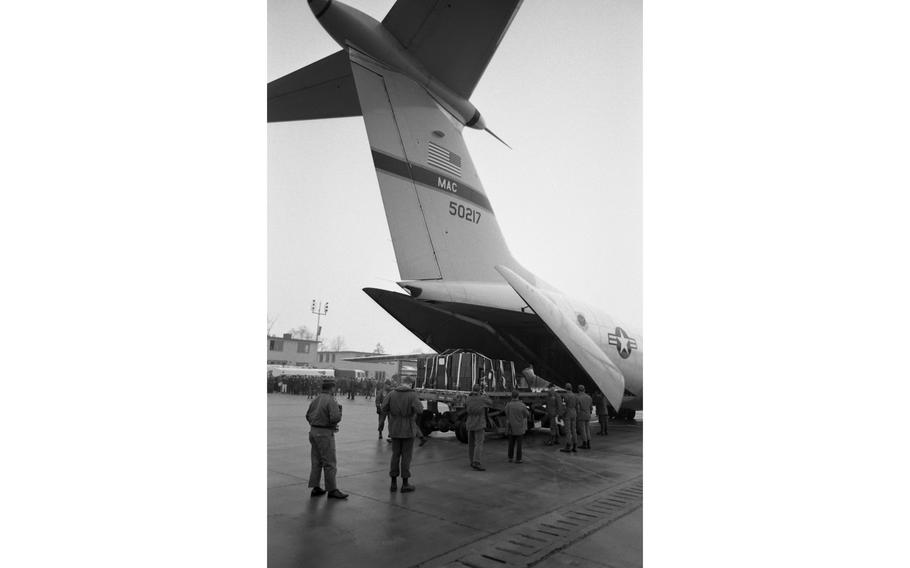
623,343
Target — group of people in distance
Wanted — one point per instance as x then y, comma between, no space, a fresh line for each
402,407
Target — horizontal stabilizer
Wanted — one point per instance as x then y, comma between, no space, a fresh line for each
324,89
592,359
453,40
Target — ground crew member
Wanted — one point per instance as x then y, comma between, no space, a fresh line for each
584,417
517,414
402,406
476,405
554,409
600,407
381,393
571,416
324,415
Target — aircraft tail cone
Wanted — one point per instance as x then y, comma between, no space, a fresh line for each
493,134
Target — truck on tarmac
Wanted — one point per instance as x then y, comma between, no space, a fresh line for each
449,378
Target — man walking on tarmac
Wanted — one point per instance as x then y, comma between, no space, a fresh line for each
571,402
584,417
381,393
517,415
402,406
476,406
554,409
324,415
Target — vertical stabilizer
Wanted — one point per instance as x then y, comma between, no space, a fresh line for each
441,221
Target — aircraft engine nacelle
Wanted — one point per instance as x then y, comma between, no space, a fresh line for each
350,27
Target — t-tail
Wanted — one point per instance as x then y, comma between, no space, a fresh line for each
399,75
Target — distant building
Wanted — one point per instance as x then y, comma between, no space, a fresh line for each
287,350
375,370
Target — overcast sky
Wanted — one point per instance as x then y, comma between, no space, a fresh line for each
563,89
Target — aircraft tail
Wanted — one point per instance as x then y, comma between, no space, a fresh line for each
441,221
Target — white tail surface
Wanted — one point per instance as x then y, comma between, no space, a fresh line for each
440,219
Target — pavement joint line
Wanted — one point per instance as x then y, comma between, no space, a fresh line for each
288,474
399,506
582,469
584,558
511,551
301,482
424,513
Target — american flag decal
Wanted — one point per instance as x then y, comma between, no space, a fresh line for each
443,159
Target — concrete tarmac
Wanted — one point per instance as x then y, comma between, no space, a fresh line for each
579,509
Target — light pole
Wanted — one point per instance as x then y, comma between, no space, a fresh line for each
320,310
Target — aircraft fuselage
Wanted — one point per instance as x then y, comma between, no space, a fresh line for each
621,344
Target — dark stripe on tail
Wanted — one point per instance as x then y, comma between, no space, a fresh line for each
430,179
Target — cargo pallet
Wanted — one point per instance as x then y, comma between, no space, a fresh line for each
450,376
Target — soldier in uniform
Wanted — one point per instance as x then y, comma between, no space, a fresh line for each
571,403
554,410
324,415
517,415
381,393
311,386
584,417
476,406
600,407
402,406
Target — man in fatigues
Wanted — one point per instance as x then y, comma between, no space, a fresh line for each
571,402
402,406
517,414
381,393
324,415
554,410
584,417
476,405
600,407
